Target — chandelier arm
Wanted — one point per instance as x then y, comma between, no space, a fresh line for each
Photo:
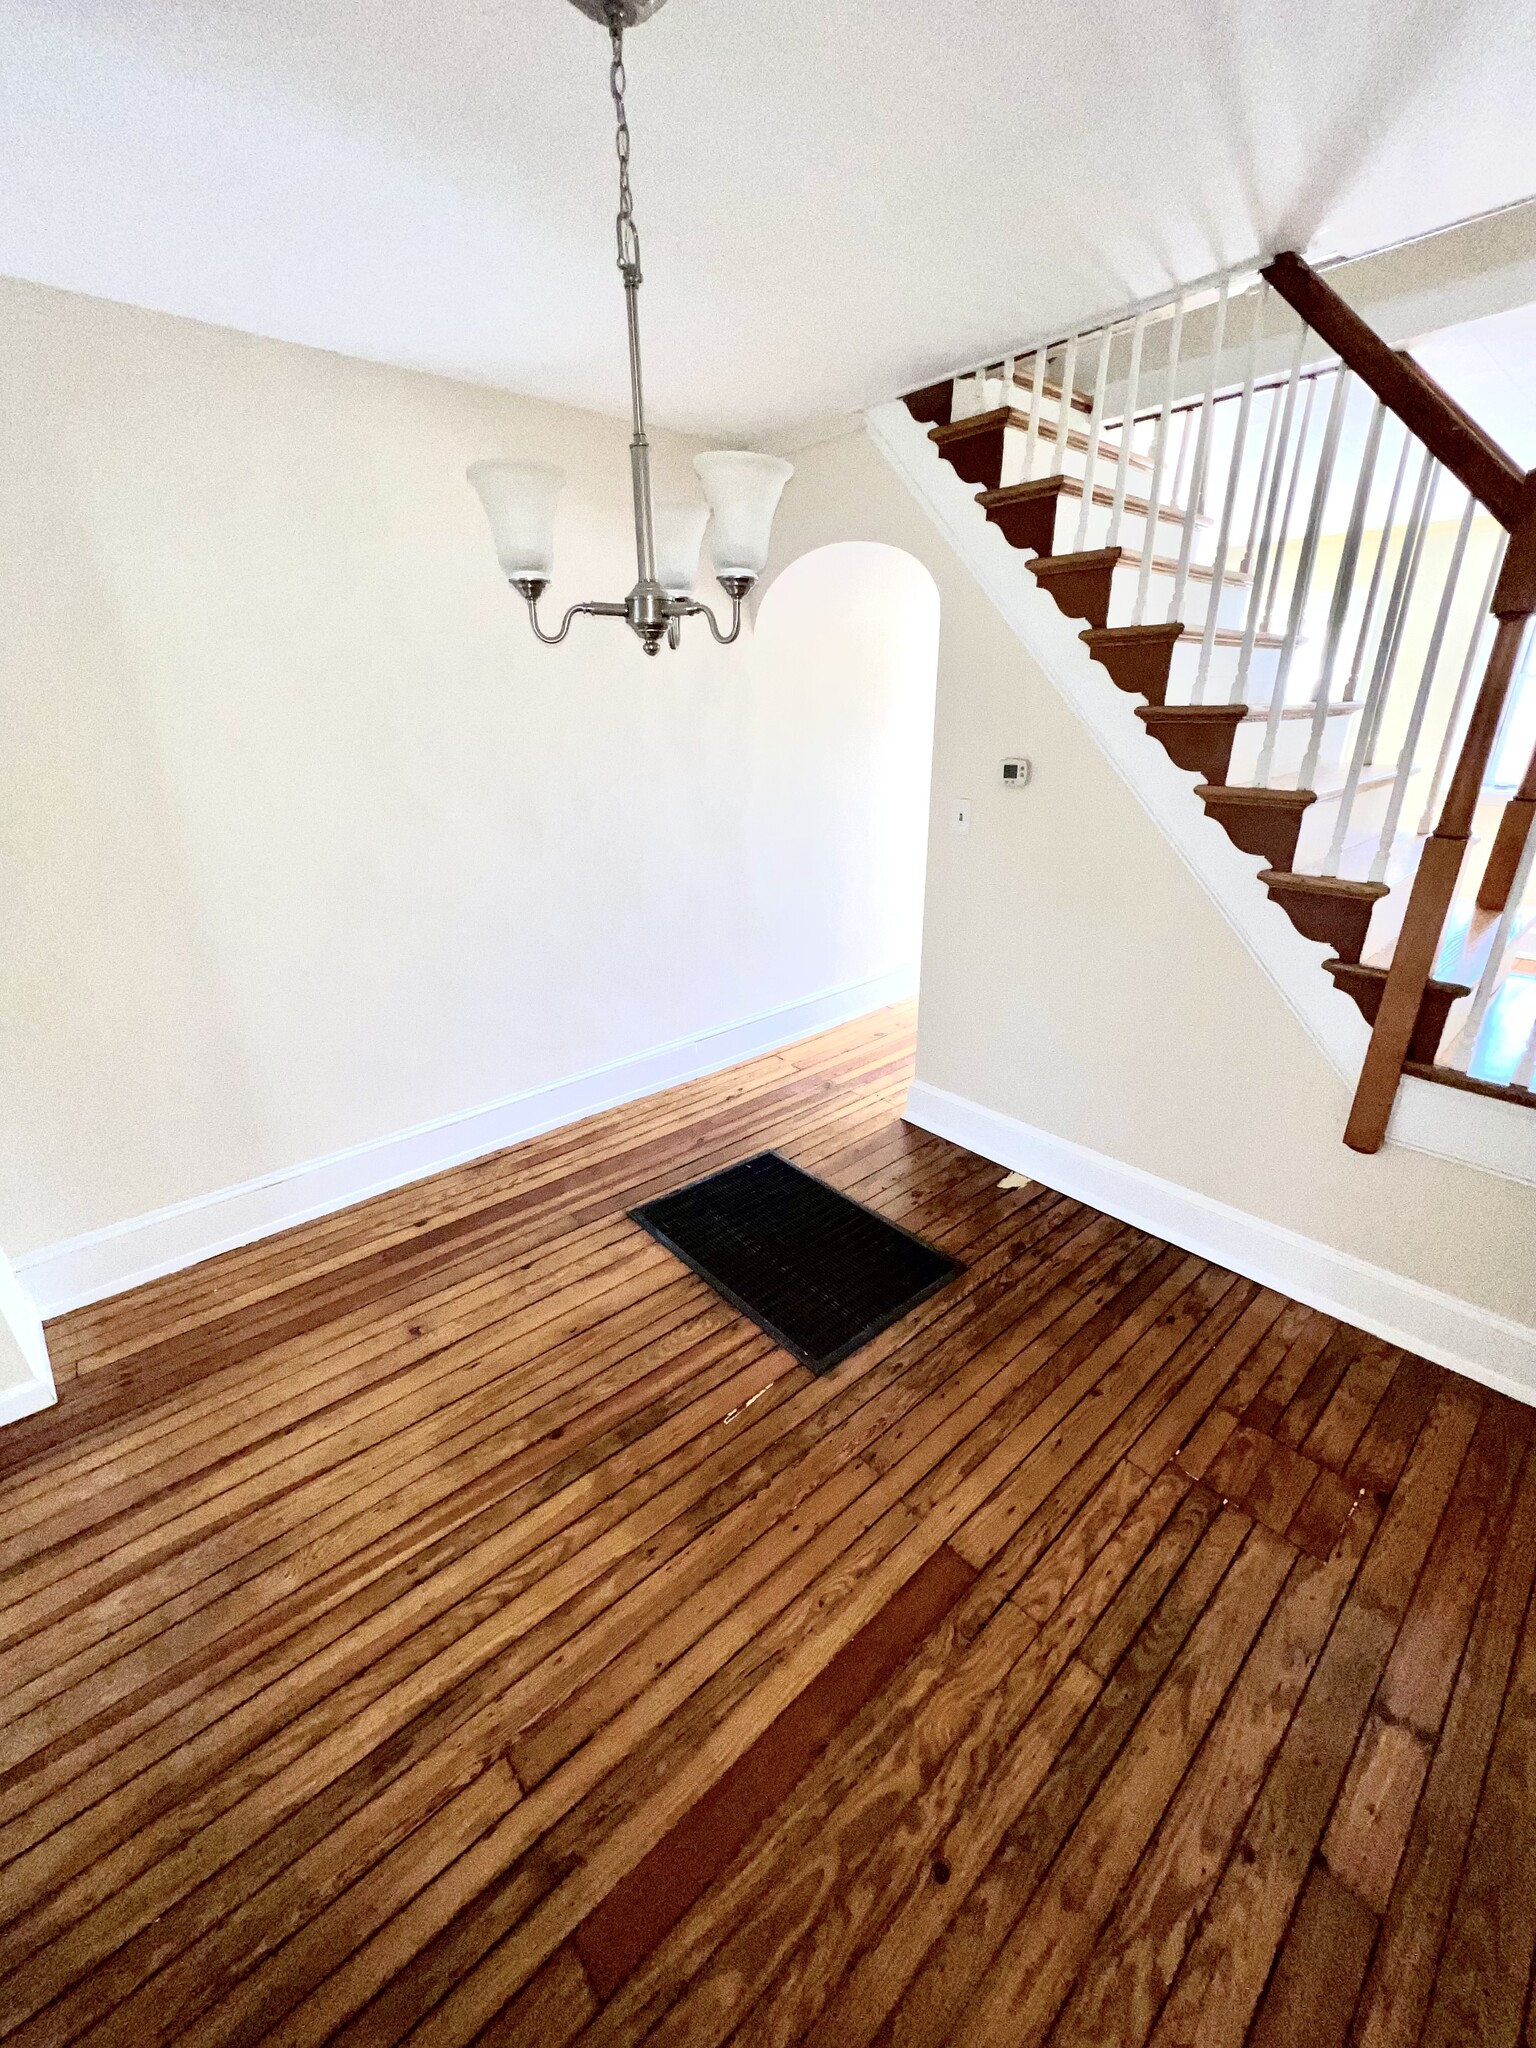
694,608
605,611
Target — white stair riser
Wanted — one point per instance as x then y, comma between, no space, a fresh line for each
1291,745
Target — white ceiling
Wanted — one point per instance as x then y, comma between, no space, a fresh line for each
834,200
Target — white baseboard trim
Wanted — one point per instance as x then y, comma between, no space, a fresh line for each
1475,1130
1475,1341
68,1275
20,1319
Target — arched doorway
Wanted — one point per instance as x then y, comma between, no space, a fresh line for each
850,634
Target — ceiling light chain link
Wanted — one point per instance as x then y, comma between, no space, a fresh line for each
628,234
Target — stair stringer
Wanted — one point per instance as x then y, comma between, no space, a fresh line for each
1229,877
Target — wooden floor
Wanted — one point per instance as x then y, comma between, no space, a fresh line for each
452,1623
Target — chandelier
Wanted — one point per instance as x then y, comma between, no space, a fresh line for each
741,490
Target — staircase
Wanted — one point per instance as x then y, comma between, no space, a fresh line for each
1289,561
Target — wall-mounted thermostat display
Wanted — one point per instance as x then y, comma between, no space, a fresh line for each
1015,774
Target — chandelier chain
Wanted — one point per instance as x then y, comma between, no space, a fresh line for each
628,234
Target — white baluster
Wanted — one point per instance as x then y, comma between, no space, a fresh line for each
1278,562
1195,495
1510,924
1064,407
1343,592
1229,500
1410,746
1414,538
1271,430
1159,465
1363,636
1178,496
1036,400
1525,1066
1482,626
1267,534
1386,660
1095,423
1513,698
1127,429
1301,587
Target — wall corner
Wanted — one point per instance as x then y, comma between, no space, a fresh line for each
26,1377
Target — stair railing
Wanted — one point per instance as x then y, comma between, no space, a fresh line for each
1489,476
1339,511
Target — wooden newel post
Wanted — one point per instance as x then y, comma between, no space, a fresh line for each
1440,865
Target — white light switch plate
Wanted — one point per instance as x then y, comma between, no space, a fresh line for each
960,814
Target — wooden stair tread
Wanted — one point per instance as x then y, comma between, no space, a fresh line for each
977,423
1324,885
1056,485
1010,419
1125,636
1063,486
1249,795
1355,970
1047,566
1190,714
1130,636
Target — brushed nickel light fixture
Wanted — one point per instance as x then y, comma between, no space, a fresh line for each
741,490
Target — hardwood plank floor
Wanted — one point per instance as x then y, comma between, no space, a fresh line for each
451,1622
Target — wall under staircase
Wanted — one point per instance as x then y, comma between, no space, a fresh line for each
1111,1004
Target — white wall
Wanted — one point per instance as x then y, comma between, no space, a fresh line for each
1079,982
303,840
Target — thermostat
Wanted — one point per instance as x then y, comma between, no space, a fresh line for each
1015,774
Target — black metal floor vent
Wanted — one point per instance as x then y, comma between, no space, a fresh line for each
820,1273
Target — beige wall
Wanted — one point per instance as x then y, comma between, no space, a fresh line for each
1077,977
303,841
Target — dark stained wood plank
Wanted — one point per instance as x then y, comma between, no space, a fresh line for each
639,1911
1317,1977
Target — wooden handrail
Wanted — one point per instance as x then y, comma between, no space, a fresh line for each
1452,436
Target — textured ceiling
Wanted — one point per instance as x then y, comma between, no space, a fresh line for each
834,201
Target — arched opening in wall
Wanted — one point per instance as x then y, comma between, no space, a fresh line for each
849,635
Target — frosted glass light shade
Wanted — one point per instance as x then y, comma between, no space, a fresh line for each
743,492
519,500
679,533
